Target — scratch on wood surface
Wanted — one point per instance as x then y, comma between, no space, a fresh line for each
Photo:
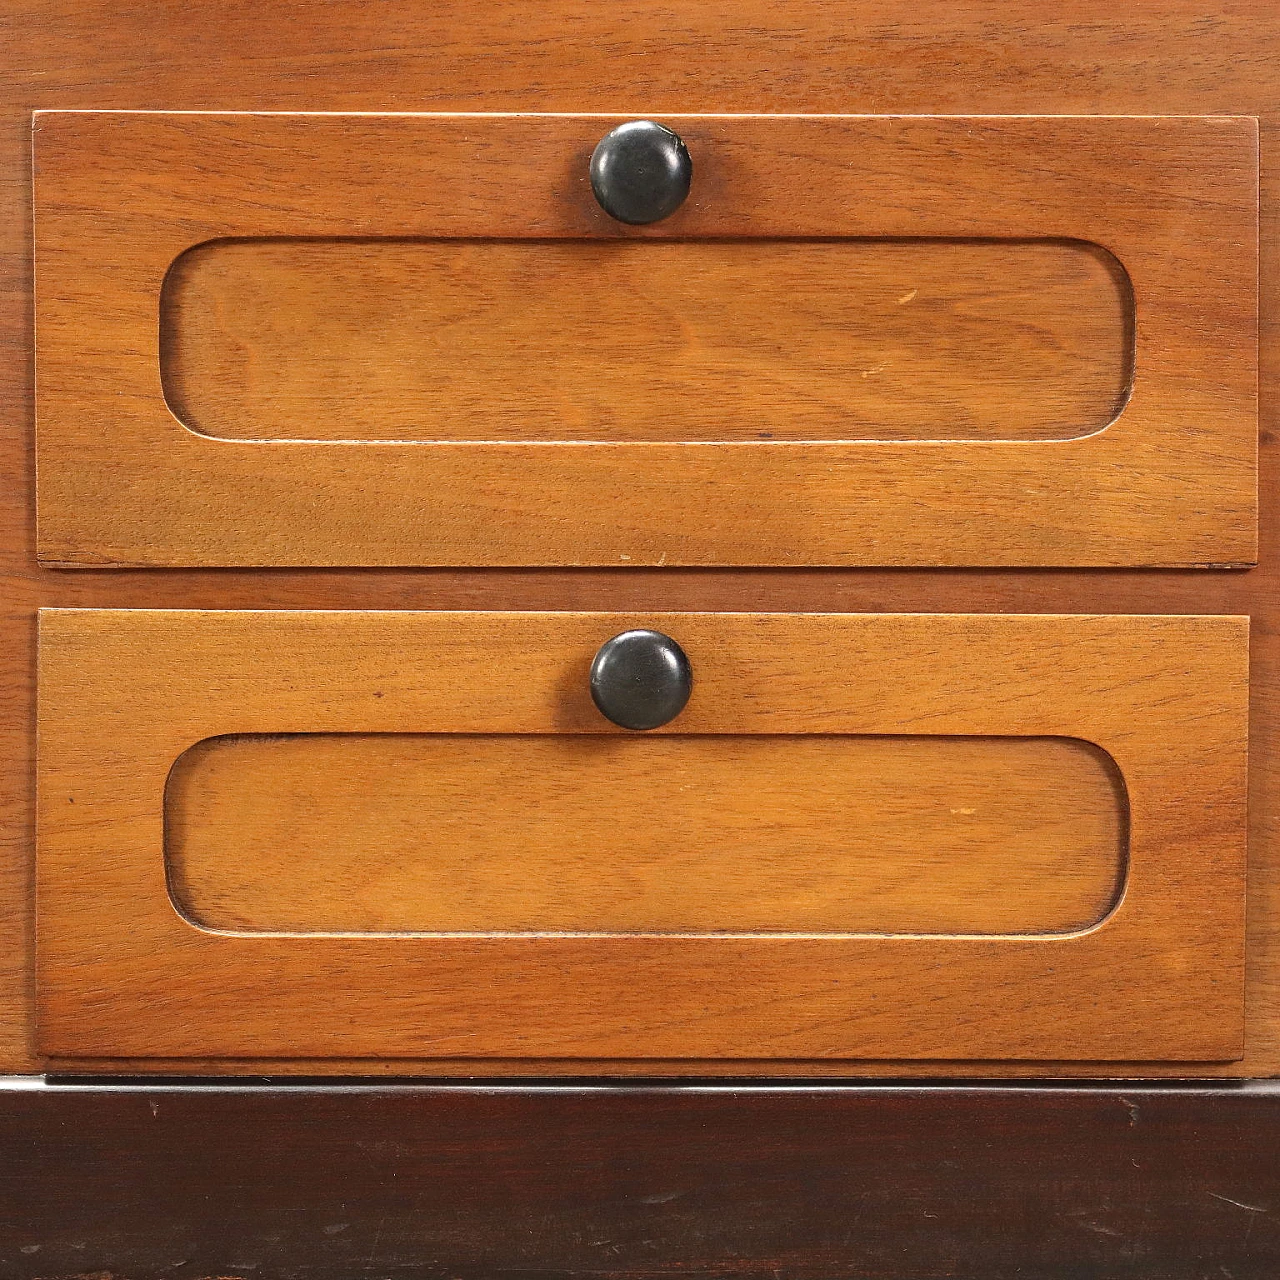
1239,1204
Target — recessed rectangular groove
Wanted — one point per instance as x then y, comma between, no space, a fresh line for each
437,833
645,340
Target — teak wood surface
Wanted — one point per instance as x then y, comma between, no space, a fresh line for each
122,974
642,339
987,57
691,833
119,197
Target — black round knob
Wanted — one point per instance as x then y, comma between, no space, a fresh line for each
640,172
641,679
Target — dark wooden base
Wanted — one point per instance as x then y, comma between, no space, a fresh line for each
530,1182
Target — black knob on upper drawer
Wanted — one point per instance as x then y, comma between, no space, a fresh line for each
641,679
641,172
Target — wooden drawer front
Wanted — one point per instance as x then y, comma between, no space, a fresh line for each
412,835
275,339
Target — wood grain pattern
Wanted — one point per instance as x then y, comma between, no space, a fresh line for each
123,693
119,196
631,340
415,833
997,57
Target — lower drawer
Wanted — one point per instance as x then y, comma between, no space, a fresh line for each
316,835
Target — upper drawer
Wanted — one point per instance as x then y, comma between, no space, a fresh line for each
275,339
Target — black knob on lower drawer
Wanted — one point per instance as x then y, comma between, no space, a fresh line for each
641,679
641,172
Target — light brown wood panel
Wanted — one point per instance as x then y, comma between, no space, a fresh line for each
123,693
119,196
447,833
645,340
876,56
